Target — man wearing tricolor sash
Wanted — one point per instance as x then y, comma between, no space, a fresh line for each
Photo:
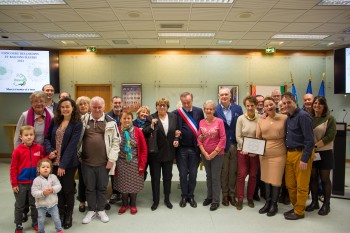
229,112
187,158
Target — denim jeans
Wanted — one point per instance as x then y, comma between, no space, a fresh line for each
187,162
53,211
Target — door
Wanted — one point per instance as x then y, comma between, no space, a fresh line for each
91,90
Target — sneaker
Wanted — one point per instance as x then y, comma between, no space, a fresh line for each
89,216
133,210
19,229
35,227
123,209
103,216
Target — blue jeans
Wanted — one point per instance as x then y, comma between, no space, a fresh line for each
187,162
53,211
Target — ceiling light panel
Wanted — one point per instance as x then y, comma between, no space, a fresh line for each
187,34
299,36
72,35
193,1
30,2
334,2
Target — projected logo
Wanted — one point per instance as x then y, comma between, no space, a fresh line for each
20,80
5,70
37,72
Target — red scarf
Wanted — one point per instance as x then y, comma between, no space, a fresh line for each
31,119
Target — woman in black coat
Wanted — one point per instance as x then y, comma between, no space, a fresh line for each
163,127
61,143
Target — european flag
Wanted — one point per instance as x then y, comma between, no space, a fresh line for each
321,92
309,88
294,92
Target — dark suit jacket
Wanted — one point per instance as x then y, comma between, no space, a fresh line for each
69,147
230,130
166,150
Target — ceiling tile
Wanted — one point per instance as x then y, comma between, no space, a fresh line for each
237,26
143,34
296,4
208,13
282,15
87,3
255,3
342,18
15,27
97,14
75,26
131,13
171,13
251,42
5,18
302,43
129,3
106,26
44,27
300,27
59,15
93,42
26,15
138,25
44,43
204,25
31,36
258,35
229,35
331,27
146,42
319,15
114,35
246,14
196,41
268,27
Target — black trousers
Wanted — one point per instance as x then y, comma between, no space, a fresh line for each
66,195
156,167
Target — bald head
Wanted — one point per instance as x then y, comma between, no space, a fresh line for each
276,95
307,100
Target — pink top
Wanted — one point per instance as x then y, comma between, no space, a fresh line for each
212,135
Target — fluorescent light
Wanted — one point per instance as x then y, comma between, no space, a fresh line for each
72,35
334,2
187,34
30,2
192,1
172,41
224,42
299,36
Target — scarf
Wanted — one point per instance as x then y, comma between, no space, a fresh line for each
141,123
127,146
31,119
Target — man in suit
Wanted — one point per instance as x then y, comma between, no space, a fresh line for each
50,91
187,158
229,113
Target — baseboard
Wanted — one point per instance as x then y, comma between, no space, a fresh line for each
5,155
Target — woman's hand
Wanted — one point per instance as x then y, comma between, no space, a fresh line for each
61,172
177,133
176,144
53,154
154,122
244,152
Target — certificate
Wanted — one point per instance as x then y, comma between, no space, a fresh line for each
254,145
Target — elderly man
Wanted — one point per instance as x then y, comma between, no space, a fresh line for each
50,91
300,147
63,95
307,100
260,105
117,108
276,96
229,113
187,158
99,152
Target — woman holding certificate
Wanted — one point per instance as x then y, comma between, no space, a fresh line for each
247,163
211,141
272,163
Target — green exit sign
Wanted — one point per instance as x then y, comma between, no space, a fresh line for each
270,50
91,49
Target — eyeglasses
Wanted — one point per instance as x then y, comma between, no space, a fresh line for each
162,105
83,104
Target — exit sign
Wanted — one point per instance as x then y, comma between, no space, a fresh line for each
91,49
270,50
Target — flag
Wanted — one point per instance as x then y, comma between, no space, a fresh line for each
294,90
309,87
321,92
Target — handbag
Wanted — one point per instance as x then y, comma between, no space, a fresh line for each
152,142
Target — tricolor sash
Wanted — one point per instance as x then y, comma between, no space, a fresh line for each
189,120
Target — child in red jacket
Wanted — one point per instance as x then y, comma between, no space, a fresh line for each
22,173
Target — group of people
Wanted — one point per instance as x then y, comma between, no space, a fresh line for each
78,135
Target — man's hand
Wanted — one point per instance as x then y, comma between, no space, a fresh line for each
302,165
109,165
61,171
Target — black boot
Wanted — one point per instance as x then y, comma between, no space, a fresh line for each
266,207
313,205
68,220
62,215
274,207
325,209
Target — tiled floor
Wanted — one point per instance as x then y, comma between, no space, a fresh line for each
186,220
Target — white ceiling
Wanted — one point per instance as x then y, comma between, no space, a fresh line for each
250,24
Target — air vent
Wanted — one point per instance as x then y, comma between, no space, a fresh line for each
171,25
120,42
